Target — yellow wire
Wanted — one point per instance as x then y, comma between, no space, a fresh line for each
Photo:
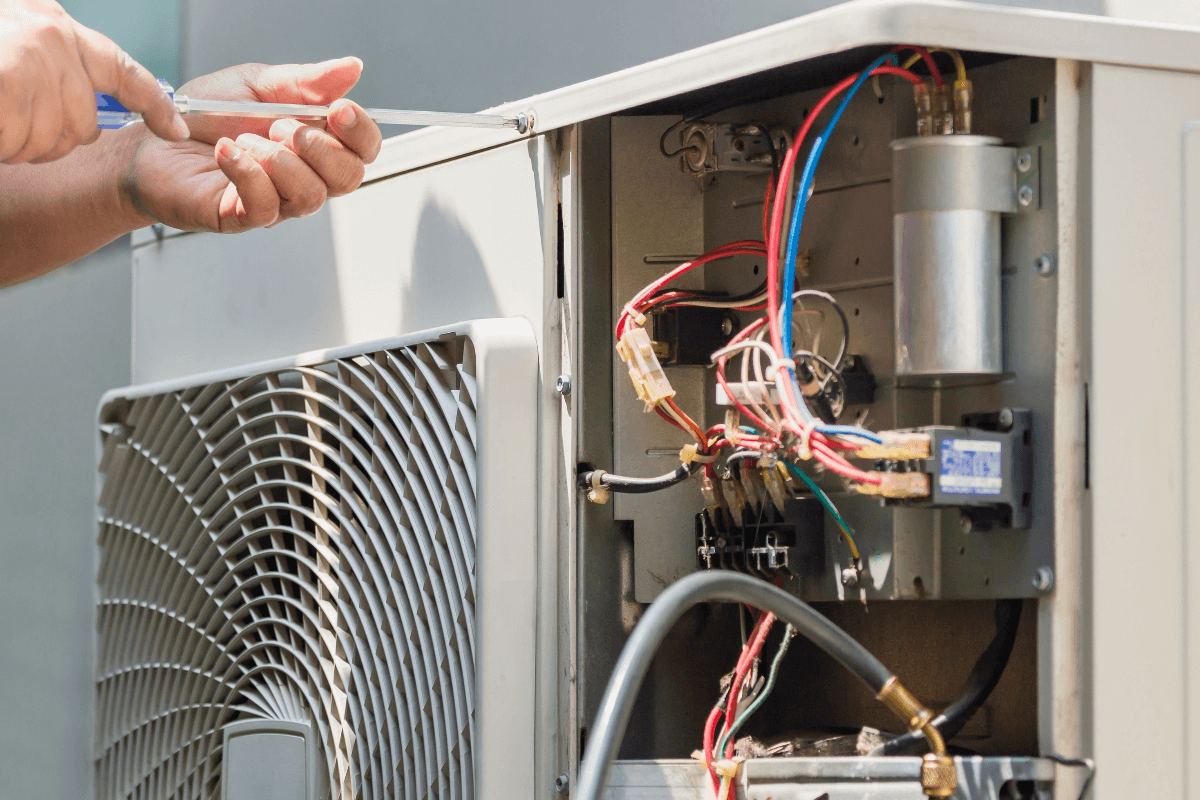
959,67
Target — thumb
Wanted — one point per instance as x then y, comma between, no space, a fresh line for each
113,71
310,84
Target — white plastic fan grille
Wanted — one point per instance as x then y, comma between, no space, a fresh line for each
296,545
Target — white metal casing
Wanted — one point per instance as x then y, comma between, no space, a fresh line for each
1116,640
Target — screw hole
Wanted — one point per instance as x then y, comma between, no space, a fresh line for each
987,581
856,262
857,312
856,141
879,99
1025,498
756,269
962,551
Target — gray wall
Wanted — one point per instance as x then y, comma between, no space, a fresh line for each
65,340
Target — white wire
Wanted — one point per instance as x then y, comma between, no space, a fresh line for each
666,407
758,374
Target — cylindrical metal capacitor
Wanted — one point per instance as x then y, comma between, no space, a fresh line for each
948,193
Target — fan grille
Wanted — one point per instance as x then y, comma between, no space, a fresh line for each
295,545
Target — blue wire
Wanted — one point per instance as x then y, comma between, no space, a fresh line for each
793,245
850,430
806,179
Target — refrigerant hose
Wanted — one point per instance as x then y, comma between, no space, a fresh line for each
938,775
980,684
621,484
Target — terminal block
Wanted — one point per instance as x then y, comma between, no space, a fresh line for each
766,543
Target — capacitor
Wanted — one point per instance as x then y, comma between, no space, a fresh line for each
948,193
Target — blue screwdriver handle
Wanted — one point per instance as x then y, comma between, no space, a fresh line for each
111,115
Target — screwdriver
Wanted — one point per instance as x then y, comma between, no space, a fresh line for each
111,115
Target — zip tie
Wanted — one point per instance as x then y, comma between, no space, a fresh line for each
599,493
638,317
805,450
773,368
691,452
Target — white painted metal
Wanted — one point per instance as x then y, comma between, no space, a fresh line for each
1141,675
1060,624
432,248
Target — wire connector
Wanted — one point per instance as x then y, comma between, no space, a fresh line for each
895,485
649,380
896,446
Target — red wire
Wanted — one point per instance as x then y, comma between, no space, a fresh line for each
710,732
888,69
748,655
926,56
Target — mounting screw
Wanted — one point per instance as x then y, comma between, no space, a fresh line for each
1044,265
563,385
726,326
1006,418
1025,162
848,362
562,784
1043,579
850,577
1025,195
965,523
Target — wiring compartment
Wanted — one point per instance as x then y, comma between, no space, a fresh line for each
661,217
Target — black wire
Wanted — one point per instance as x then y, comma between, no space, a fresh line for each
743,455
828,298
1085,763
711,294
623,485
978,687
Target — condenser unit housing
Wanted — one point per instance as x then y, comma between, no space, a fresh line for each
408,568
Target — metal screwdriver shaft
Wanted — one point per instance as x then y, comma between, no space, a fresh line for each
111,114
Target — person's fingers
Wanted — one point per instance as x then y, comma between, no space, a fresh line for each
338,167
79,106
312,84
16,117
301,190
250,200
113,71
45,130
350,123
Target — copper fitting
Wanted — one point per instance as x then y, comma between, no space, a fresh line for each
939,778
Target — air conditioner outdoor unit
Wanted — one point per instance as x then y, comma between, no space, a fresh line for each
373,571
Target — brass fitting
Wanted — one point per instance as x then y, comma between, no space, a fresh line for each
939,778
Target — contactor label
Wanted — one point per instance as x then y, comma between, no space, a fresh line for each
971,466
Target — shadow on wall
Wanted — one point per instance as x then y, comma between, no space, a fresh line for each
448,282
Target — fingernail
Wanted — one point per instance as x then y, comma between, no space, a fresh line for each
180,128
359,60
347,117
228,151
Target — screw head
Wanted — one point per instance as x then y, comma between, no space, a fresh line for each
1044,264
1006,418
562,784
965,523
563,385
850,577
1043,579
1025,195
1025,162
726,327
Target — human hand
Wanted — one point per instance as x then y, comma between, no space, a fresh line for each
50,65
235,173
